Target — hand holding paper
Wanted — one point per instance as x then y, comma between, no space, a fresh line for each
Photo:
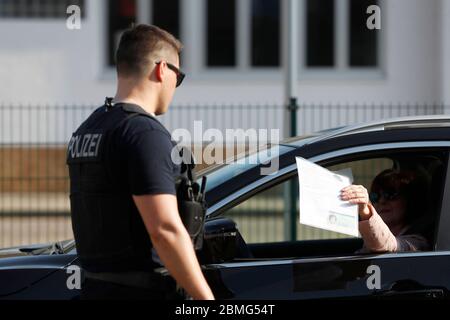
320,199
358,195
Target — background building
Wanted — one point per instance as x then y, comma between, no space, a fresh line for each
233,47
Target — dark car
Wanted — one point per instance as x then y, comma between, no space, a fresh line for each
246,254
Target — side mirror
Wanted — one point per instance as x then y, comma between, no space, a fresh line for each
220,241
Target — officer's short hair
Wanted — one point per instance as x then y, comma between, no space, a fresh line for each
140,45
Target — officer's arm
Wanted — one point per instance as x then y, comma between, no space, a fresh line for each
172,242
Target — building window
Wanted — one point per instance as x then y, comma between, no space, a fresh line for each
265,33
245,34
221,33
38,8
122,14
320,37
166,15
363,45
337,36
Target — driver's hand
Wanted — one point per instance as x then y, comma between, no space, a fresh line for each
357,194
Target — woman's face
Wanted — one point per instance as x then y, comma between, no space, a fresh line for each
391,206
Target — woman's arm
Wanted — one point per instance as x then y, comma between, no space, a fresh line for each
376,234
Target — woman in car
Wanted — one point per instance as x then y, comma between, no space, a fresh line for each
389,218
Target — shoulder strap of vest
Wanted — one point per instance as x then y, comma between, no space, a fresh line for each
108,104
128,117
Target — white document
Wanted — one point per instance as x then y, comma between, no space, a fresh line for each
320,202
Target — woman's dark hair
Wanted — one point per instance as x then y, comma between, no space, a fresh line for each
410,185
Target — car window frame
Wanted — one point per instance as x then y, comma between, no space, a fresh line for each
443,235
339,156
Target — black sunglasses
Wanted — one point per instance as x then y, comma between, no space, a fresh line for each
178,72
376,196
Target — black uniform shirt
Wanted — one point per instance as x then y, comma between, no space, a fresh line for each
141,154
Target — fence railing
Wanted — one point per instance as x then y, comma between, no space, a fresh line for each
34,202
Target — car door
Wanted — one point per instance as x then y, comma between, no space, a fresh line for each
325,265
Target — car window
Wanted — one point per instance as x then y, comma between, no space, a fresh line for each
260,219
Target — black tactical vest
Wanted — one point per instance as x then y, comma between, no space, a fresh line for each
109,232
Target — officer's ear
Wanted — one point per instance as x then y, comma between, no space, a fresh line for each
160,70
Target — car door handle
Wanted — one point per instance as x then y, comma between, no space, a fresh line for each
420,294
412,289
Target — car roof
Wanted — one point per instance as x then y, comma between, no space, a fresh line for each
412,122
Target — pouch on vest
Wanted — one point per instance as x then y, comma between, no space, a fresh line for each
191,203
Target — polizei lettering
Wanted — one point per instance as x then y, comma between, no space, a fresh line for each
84,146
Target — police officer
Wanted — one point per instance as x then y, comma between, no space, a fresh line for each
123,197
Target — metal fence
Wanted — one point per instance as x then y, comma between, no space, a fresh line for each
34,203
